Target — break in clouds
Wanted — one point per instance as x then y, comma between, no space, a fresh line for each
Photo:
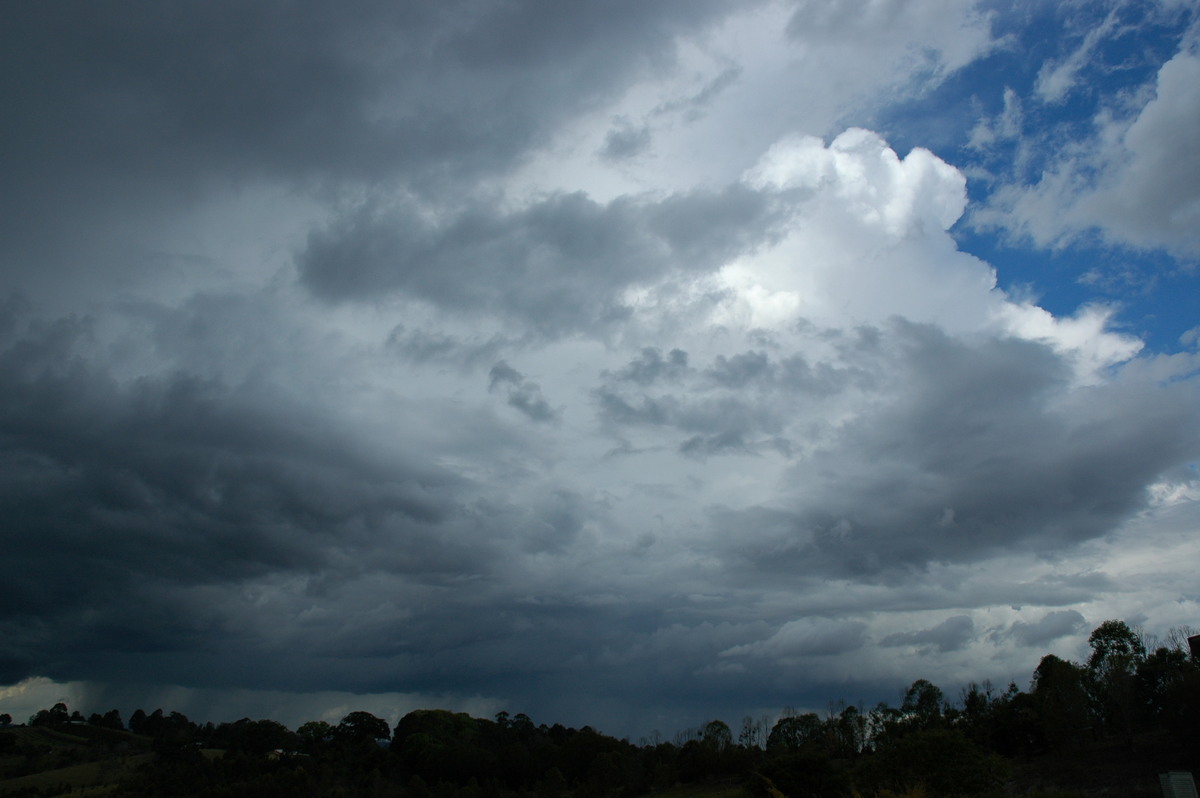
448,356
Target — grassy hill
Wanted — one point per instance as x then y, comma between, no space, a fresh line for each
90,778
41,758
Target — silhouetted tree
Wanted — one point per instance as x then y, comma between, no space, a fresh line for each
314,732
1115,647
1060,699
792,733
849,732
923,705
975,716
717,735
57,715
254,737
1117,651
442,746
362,726
1168,685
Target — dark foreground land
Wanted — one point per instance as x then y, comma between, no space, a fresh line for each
1102,729
439,754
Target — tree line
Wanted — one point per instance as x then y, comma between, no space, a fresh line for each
1127,694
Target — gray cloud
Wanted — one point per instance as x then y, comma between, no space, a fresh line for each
951,634
523,394
986,432
727,442
625,141
352,89
650,366
560,264
424,346
739,370
737,404
693,107
159,486
145,113
1051,627
816,637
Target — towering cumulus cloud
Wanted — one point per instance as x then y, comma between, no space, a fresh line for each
621,366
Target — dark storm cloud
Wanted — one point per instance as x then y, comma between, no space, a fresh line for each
951,634
303,86
985,447
559,264
276,87
115,113
352,343
120,497
202,518
215,536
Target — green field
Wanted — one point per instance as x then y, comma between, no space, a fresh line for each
94,775
76,757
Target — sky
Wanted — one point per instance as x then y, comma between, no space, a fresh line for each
629,364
